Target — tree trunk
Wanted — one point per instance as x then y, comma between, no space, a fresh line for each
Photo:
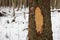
10,3
0,3
46,33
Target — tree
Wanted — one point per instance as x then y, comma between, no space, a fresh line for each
10,3
0,3
46,33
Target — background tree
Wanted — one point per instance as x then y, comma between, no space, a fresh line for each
0,3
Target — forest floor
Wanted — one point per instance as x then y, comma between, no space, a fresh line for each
55,20
17,29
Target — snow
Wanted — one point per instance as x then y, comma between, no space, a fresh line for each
14,30
55,19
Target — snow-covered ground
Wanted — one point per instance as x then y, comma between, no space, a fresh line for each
55,19
16,30
10,30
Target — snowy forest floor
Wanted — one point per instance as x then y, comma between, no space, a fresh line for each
16,30
55,20
13,30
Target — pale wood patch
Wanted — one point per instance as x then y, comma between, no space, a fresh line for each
39,20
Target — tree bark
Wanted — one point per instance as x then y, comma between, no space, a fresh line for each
45,10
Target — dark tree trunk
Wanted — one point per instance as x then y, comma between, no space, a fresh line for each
45,10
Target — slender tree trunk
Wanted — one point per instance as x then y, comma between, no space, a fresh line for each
44,6
10,2
6,3
0,3
18,5
24,2
21,3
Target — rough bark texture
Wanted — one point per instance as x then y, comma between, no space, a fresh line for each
47,30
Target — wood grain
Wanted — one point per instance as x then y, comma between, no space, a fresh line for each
38,20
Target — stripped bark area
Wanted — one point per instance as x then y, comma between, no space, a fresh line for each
39,20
